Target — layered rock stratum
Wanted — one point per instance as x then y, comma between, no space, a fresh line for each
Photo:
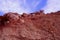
33,26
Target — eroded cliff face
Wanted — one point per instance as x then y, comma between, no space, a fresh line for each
34,26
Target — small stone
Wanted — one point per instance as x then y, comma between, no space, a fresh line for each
7,22
22,20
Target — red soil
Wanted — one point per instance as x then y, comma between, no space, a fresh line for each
34,26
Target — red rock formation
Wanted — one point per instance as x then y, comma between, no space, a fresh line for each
34,26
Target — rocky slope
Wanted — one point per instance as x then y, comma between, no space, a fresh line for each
34,26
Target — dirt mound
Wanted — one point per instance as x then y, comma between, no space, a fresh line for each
33,26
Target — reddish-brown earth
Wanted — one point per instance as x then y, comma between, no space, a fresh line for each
34,26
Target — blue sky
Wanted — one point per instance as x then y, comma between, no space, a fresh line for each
27,6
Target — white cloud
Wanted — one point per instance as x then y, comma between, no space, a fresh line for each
24,1
52,6
12,6
35,3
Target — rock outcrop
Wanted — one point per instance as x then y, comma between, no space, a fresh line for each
34,26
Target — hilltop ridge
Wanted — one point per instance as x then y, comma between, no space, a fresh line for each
33,26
